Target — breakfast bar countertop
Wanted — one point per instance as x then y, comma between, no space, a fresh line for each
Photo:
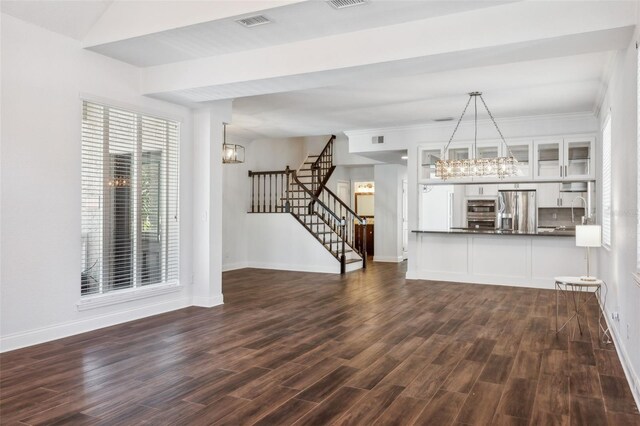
479,231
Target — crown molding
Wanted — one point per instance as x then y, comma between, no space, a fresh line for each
450,124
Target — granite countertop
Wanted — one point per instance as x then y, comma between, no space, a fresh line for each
553,233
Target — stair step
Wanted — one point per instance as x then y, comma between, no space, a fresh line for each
353,261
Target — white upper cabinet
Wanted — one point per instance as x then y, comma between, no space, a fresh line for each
544,159
568,158
523,152
427,158
579,161
548,159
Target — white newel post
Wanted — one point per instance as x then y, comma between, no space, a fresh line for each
207,194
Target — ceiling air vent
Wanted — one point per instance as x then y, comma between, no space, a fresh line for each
443,119
341,4
253,21
377,139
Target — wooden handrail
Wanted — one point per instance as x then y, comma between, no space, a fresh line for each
346,207
315,198
324,151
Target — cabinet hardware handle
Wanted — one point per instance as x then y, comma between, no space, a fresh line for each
560,171
565,171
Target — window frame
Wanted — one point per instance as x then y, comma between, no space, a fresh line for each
168,284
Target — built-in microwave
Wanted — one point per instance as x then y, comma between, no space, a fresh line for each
482,213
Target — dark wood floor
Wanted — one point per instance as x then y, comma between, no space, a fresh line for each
289,347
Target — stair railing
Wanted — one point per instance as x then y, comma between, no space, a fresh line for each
270,191
321,212
323,166
355,238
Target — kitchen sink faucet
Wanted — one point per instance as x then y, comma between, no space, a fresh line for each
584,205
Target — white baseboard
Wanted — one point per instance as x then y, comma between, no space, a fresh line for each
234,266
58,331
207,302
543,283
324,269
632,377
390,259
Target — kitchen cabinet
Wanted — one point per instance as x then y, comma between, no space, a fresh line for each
516,186
548,159
568,158
486,190
548,195
427,158
579,161
522,151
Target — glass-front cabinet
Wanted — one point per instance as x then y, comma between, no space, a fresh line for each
544,159
579,158
568,158
548,161
428,158
522,152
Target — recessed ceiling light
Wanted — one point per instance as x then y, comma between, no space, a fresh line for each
341,4
253,21
405,157
444,119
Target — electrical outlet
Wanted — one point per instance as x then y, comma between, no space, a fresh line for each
615,316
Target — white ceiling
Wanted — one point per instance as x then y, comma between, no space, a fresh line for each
550,86
291,23
70,18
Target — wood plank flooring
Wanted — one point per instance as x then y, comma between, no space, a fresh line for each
367,348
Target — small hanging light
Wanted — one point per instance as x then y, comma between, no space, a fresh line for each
231,153
477,167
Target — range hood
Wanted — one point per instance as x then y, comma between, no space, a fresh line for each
574,187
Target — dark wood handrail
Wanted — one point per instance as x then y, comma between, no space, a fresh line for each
314,197
272,172
324,151
343,204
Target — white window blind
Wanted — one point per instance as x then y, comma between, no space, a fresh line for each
606,183
130,229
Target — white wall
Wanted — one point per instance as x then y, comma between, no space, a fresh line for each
260,155
618,264
388,212
278,241
43,77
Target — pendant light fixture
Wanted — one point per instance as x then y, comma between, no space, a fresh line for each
477,167
231,153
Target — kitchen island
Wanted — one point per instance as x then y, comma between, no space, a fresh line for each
495,257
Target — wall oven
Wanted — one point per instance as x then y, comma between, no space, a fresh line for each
482,213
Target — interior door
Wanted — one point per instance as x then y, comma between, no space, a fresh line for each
343,191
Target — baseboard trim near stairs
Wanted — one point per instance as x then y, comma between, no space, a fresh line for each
389,259
296,268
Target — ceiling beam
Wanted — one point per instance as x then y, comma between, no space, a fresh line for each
128,19
532,29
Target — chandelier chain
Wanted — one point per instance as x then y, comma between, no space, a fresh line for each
444,153
496,126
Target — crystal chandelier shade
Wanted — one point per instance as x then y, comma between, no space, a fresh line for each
500,167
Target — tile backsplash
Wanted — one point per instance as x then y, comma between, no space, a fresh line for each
560,216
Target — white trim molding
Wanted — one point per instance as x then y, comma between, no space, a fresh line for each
389,259
59,331
207,302
631,375
126,295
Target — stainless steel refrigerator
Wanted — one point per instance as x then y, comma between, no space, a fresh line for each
517,211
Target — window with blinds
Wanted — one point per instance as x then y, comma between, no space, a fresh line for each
130,229
606,183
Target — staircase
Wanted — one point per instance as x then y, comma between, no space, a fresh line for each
303,194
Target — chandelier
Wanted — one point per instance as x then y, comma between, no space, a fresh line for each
477,167
231,153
